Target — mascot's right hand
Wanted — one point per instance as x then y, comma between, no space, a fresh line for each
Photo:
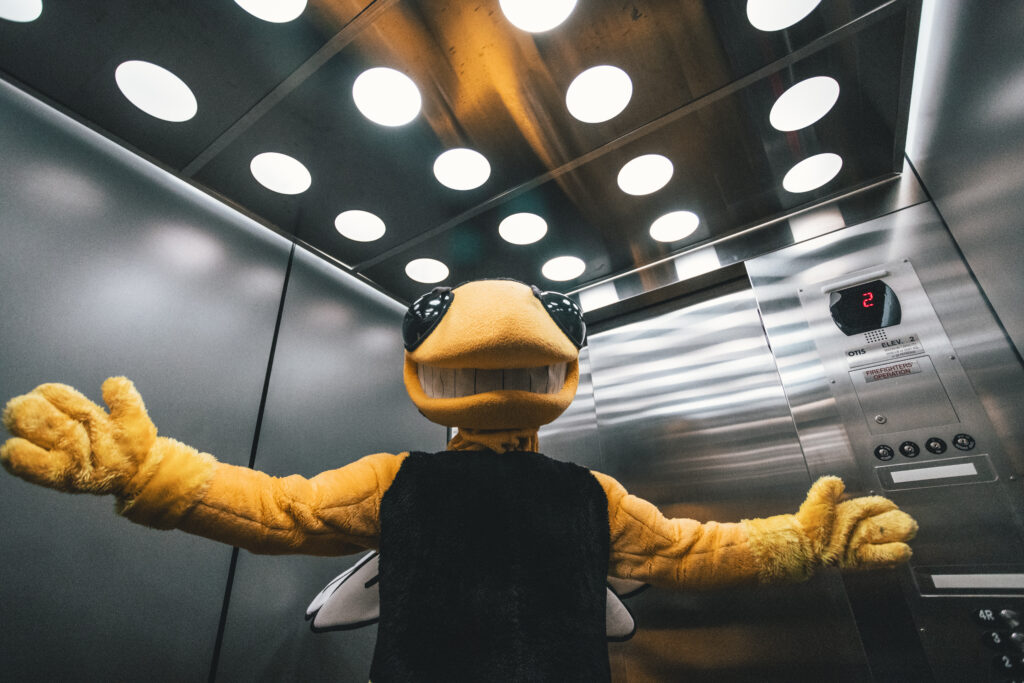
64,441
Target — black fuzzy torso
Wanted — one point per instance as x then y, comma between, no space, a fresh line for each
492,568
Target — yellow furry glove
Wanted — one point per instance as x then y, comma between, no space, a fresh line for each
861,533
64,441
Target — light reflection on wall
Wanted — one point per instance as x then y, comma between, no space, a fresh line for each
59,189
186,247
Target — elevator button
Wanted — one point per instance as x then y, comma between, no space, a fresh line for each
964,442
997,640
884,452
935,445
1010,617
1017,640
909,449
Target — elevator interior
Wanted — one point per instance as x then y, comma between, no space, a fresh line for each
724,372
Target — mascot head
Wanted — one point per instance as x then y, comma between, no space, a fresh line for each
492,354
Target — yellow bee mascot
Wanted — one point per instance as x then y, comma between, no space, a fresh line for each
493,557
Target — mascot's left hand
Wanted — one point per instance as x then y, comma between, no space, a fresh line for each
860,533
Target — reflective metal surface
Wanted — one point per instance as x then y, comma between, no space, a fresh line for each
108,267
335,395
967,138
969,509
703,81
689,413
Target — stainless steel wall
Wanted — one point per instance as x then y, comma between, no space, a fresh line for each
688,412
109,266
967,136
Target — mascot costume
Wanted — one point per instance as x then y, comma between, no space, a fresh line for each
493,558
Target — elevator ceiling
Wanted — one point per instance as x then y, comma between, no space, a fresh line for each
704,80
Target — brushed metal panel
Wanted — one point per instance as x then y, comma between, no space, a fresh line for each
335,395
967,132
109,266
692,416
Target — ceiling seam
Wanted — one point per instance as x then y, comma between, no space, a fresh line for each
860,23
336,44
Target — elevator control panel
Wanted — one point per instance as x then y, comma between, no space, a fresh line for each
920,435
908,407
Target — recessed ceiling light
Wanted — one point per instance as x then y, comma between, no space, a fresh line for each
22,11
645,174
277,11
462,169
537,16
522,228
156,91
599,93
361,226
812,172
563,268
775,15
280,173
674,226
804,103
426,270
386,96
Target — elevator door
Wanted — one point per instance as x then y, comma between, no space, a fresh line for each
691,415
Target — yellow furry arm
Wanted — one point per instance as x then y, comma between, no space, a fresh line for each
674,553
861,533
334,513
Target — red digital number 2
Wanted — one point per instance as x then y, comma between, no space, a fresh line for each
868,300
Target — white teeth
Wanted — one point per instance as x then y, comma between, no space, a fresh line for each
465,382
488,380
453,383
539,379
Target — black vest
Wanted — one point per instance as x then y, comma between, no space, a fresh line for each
492,568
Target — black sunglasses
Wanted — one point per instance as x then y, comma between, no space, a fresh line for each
426,312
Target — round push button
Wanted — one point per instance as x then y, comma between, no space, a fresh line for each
909,449
884,452
935,445
964,442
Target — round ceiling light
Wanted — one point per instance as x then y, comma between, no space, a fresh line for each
462,169
22,11
775,15
804,103
599,93
280,173
537,16
156,91
563,268
645,174
276,11
426,270
386,96
361,226
812,172
522,228
674,226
